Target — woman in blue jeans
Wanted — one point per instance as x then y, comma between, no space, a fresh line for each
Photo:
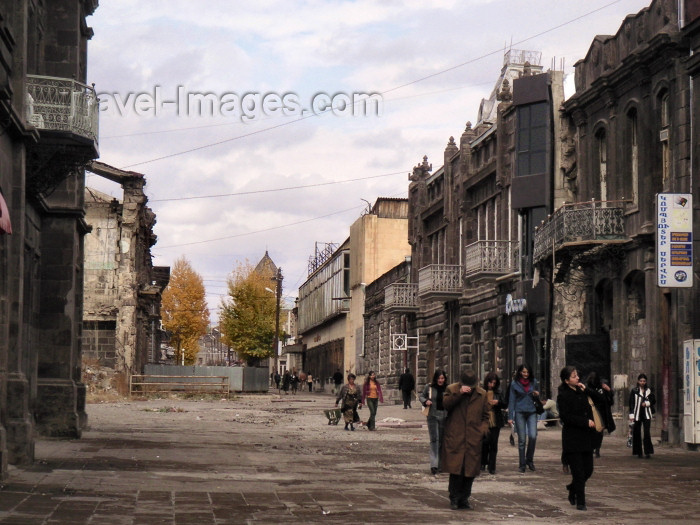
432,397
521,411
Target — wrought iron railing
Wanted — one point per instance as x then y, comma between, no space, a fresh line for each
62,104
440,279
592,221
401,296
493,257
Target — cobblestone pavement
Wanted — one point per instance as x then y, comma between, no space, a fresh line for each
272,459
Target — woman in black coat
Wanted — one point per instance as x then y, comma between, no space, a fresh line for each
578,432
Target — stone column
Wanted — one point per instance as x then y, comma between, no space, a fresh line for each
60,407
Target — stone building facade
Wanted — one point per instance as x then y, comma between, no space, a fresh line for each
467,298
122,288
50,132
630,125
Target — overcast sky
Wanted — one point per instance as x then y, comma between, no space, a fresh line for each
431,62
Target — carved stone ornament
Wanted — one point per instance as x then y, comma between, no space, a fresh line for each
505,94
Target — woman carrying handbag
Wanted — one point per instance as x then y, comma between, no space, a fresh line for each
431,398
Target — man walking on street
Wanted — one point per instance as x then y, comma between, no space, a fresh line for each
407,384
466,425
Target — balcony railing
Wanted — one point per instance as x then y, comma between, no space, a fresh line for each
592,222
440,281
401,297
62,104
491,257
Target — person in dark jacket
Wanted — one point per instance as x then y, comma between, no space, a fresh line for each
431,397
578,432
521,411
496,402
407,384
466,425
642,405
594,382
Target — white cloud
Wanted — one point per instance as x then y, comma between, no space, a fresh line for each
304,47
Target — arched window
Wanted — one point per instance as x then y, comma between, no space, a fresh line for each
601,164
664,137
632,181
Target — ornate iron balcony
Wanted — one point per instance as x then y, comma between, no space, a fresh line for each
401,297
440,282
62,104
491,257
584,223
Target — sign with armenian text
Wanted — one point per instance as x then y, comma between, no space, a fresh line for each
674,240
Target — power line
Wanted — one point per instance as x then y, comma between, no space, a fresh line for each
263,230
253,192
315,114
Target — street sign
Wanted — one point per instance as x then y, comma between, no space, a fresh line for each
674,240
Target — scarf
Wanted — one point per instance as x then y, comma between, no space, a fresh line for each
525,383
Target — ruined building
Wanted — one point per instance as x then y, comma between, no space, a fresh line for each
122,288
49,121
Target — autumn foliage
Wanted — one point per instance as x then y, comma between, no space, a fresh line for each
248,314
184,310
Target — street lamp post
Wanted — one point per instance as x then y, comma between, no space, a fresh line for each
278,296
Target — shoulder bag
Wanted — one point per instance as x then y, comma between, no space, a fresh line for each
426,409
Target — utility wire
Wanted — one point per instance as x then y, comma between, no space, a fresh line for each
313,114
252,192
263,230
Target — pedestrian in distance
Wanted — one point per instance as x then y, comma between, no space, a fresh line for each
286,381
607,398
522,413
277,378
466,425
642,405
407,385
371,396
294,382
351,398
496,402
310,382
432,397
578,435
337,381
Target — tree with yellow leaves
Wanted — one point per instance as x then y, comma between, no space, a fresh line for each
184,311
247,318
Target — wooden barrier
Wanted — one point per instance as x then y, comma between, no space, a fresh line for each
144,384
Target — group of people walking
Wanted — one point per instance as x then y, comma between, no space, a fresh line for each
464,422
291,380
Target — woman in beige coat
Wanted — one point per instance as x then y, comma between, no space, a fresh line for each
466,425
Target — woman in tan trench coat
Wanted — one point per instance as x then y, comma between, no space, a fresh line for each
466,425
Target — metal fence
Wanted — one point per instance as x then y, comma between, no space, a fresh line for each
241,378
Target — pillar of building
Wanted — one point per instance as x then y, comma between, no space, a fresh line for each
60,407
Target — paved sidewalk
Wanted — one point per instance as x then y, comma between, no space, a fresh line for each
275,459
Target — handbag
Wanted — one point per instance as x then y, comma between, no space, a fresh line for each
596,417
539,407
426,409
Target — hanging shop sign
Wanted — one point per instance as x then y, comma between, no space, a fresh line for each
674,240
514,305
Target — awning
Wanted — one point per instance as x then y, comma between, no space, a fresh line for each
5,224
